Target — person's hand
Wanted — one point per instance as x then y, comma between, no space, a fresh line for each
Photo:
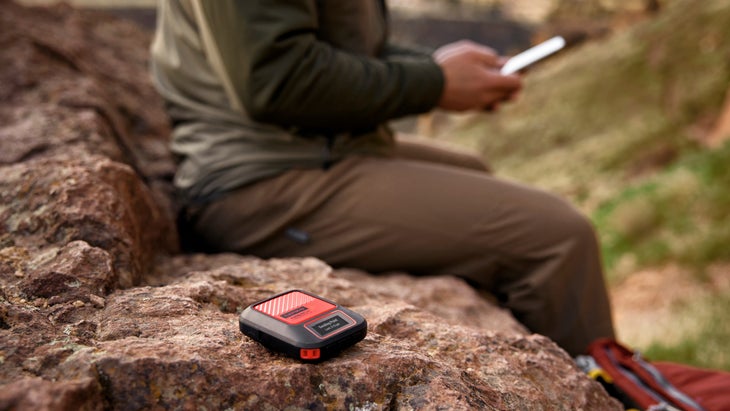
472,78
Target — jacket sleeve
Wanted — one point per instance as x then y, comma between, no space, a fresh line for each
284,75
396,50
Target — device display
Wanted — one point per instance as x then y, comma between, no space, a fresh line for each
302,325
533,55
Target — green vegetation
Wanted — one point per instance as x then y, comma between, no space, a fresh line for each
680,215
708,347
616,125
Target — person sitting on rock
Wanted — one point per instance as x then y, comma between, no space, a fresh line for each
280,112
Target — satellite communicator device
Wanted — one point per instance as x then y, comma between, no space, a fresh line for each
302,325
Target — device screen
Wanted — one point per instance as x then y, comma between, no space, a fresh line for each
533,55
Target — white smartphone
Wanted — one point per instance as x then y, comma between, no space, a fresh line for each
533,55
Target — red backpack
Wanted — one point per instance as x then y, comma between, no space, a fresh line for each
655,386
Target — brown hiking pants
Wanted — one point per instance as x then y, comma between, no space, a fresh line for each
429,211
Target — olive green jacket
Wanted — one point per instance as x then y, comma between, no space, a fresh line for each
258,87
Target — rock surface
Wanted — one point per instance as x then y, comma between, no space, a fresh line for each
98,310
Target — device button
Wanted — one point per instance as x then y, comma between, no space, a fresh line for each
309,353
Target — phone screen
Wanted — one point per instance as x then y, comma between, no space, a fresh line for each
533,55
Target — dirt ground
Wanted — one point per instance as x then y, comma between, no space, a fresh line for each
666,304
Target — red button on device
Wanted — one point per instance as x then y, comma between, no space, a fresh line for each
309,353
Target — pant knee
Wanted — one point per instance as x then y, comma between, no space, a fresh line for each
571,225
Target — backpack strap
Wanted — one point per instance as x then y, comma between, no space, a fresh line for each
643,383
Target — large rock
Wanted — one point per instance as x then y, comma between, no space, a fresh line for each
177,346
98,310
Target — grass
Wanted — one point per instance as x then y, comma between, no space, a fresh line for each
679,215
708,347
614,125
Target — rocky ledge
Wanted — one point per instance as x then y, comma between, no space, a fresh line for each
100,310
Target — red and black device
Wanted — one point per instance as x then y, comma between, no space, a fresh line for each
302,325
